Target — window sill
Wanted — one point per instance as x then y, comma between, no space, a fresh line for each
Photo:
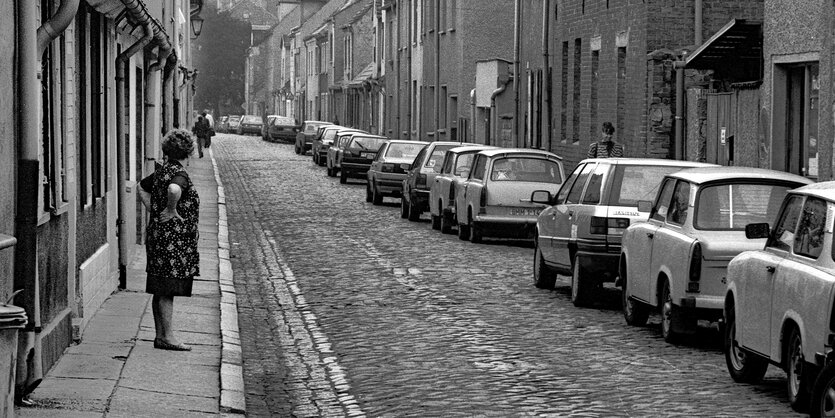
44,218
442,32
442,131
450,30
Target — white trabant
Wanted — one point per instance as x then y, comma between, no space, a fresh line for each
677,260
496,198
779,300
454,171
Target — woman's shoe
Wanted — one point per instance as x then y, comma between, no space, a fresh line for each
164,345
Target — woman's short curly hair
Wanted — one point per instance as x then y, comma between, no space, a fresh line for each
608,129
178,144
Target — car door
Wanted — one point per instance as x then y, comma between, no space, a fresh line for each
547,220
671,243
565,226
414,171
640,242
471,188
439,184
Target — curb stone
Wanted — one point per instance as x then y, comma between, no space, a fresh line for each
232,395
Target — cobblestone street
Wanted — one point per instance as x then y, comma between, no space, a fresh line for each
347,309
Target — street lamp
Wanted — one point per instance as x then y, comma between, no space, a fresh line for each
196,25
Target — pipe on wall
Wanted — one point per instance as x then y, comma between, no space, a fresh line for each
57,24
438,70
697,25
678,145
121,148
494,111
546,73
517,46
472,117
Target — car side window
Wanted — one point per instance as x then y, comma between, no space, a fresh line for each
680,204
808,241
662,203
595,187
563,192
381,152
782,238
416,163
479,167
449,158
579,184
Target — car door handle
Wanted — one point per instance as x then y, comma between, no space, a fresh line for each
770,269
650,235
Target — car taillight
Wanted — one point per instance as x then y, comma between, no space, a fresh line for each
612,226
695,269
483,201
387,168
420,181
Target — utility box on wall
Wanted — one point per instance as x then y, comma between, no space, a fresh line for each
489,75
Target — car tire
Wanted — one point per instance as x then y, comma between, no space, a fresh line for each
743,366
635,313
414,212
823,393
343,177
580,286
376,196
476,233
404,208
368,196
543,276
463,231
798,373
446,223
436,222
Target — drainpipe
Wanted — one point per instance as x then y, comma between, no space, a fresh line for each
152,115
546,73
411,93
438,70
698,22
472,116
679,117
168,93
31,45
517,46
121,147
494,111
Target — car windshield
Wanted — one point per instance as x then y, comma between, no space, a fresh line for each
434,161
634,183
463,164
732,206
367,143
310,127
234,118
530,169
404,150
252,119
284,121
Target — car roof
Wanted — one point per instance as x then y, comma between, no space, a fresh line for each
709,174
367,135
648,161
406,141
824,190
318,121
500,151
469,148
436,143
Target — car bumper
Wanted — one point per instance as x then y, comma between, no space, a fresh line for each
703,303
355,169
420,198
506,226
602,265
389,182
284,136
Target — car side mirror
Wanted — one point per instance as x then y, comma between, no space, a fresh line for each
541,196
644,206
757,230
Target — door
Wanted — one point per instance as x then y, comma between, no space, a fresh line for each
671,245
547,222
721,127
640,240
566,227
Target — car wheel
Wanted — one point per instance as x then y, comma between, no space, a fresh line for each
635,313
743,366
580,285
543,276
823,393
797,373
404,208
376,197
463,231
436,222
343,177
322,163
667,313
414,212
476,233
368,196
446,223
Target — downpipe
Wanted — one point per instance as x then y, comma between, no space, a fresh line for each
121,147
168,93
494,111
153,118
678,145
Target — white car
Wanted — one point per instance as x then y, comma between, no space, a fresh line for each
779,301
496,198
454,170
676,261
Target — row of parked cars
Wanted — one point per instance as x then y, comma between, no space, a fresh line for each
749,249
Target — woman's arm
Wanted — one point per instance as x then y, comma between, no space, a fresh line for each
145,198
170,212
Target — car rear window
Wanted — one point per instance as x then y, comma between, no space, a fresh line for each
537,170
434,160
284,121
367,143
234,118
312,127
404,150
634,183
732,206
463,164
252,119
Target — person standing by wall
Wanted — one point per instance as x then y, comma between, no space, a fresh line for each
202,131
606,147
171,247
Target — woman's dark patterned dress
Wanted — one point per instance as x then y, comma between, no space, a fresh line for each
171,247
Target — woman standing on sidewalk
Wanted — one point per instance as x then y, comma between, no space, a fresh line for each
171,243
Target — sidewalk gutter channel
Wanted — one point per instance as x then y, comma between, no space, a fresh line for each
232,395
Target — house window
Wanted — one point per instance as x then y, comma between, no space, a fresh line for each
575,109
443,116
453,14
564,94
442,15
349,55
796,113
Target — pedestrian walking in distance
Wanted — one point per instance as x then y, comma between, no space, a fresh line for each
606,147
171,245
202,131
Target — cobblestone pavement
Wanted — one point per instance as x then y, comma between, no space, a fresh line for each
346,309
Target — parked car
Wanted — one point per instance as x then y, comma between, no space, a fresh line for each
304,139
250,124
222,124
282,128
387,171
579,234
265,127
358,155
427,165
496,198
778,303
676,261
322,142
343,137
234,123
454,170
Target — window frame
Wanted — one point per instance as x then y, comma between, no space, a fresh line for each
566,185
653,214
687,214
591,167
603,170
772,236
823,227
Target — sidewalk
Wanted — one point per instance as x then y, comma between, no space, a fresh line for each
115,370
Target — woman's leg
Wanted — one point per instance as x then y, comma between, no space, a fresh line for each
200,146
163,307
